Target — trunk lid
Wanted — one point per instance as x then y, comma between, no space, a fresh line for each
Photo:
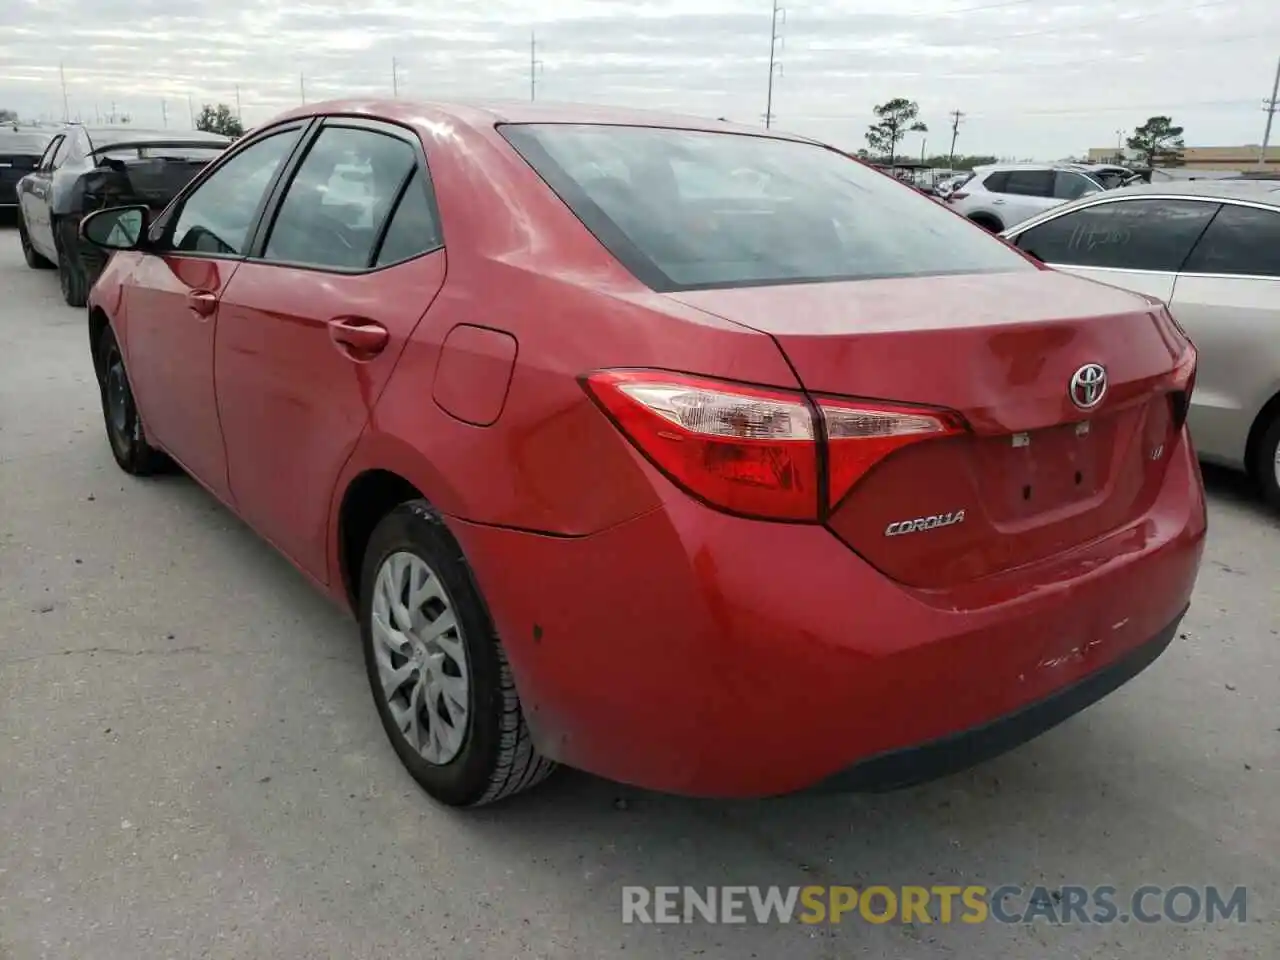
153,181
1036,474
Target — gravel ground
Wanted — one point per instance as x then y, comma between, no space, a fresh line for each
191,766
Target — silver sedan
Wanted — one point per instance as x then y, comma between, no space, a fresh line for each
1210,249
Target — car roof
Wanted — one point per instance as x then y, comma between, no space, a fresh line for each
102,135
1258,191
991,167
487,113
24,140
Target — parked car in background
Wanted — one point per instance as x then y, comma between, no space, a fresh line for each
84,169
1210,249
1109,175
20,150
999,196
612,489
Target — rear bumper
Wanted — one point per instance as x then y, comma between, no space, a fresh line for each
697,653
959,751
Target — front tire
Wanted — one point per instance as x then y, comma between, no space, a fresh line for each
1267,463
124,428
440,679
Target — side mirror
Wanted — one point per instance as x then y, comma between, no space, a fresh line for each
116,228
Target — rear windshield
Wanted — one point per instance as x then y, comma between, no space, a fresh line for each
23,144
686,210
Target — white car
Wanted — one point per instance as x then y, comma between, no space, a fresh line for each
998,197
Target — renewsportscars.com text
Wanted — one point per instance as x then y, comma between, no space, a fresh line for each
933,904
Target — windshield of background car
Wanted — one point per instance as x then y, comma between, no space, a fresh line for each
684,209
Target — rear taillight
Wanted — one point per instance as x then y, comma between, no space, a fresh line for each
754,451
1183,385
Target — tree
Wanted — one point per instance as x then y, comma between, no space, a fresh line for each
8,116
1158,141
896,119
219,119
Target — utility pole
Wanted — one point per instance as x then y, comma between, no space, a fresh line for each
923,141
239,118
1270,106
164,114
956,117
535,65
779,17
302,87
66,104
191,109
395,78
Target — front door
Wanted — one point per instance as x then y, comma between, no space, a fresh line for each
37,197
173,301
311,327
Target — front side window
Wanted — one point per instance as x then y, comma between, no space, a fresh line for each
1030,183
218,214
1072,186
46,158
1240,241
60,153
338,200
686,209
1123,235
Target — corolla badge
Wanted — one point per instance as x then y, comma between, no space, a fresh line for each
1088,386
920,524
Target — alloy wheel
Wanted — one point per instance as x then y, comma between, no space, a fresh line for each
421,657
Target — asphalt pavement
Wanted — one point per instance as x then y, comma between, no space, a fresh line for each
191,764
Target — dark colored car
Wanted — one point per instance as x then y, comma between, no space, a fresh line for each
693,455
84,169
20,152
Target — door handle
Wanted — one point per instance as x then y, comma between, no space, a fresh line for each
997,200
359,338
202,302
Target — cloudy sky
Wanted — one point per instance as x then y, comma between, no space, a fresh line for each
1035,78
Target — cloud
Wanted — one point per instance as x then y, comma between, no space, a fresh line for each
1035,78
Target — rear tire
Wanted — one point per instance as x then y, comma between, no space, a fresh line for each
34,259
987,222
124,428
1267,463
414,580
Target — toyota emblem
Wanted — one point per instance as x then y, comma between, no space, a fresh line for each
1088,386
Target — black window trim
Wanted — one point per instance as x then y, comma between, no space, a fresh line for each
45,163
161,233
266,219
1013,234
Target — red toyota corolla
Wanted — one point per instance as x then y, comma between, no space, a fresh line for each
692,455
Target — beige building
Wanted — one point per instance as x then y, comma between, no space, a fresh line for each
1204,158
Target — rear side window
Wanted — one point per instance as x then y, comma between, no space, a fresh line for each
1125,235
414,227
1240,241
338,200
996,182
685,209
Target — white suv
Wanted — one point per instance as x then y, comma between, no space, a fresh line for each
998,197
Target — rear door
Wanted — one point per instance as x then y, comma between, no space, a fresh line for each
1137,243
312,324
1227,297
1027,193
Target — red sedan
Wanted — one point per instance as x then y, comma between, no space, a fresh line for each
693,455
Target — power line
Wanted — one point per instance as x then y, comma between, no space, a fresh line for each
535,66
1270,106
956,117
773,47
